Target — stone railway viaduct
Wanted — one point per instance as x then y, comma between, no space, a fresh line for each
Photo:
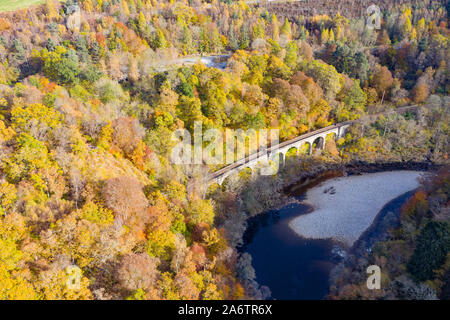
273,153
282,148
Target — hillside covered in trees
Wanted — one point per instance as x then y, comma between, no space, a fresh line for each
91,92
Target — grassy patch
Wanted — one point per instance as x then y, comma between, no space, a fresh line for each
10,5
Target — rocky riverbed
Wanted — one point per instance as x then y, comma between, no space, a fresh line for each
345,207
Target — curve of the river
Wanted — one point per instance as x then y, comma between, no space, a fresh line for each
294,248
345,207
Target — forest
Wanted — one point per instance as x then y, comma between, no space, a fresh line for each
92,90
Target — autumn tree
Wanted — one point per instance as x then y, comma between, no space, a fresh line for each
382,80
125,197
200,211
138,271
189,110
275,28
61,65
126,134
286,29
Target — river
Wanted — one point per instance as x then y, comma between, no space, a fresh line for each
294,248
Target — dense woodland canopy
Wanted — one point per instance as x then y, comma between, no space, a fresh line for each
87,109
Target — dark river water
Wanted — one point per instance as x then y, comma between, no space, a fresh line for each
293,267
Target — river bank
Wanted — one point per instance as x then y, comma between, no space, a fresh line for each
345,207
298,184
387,219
